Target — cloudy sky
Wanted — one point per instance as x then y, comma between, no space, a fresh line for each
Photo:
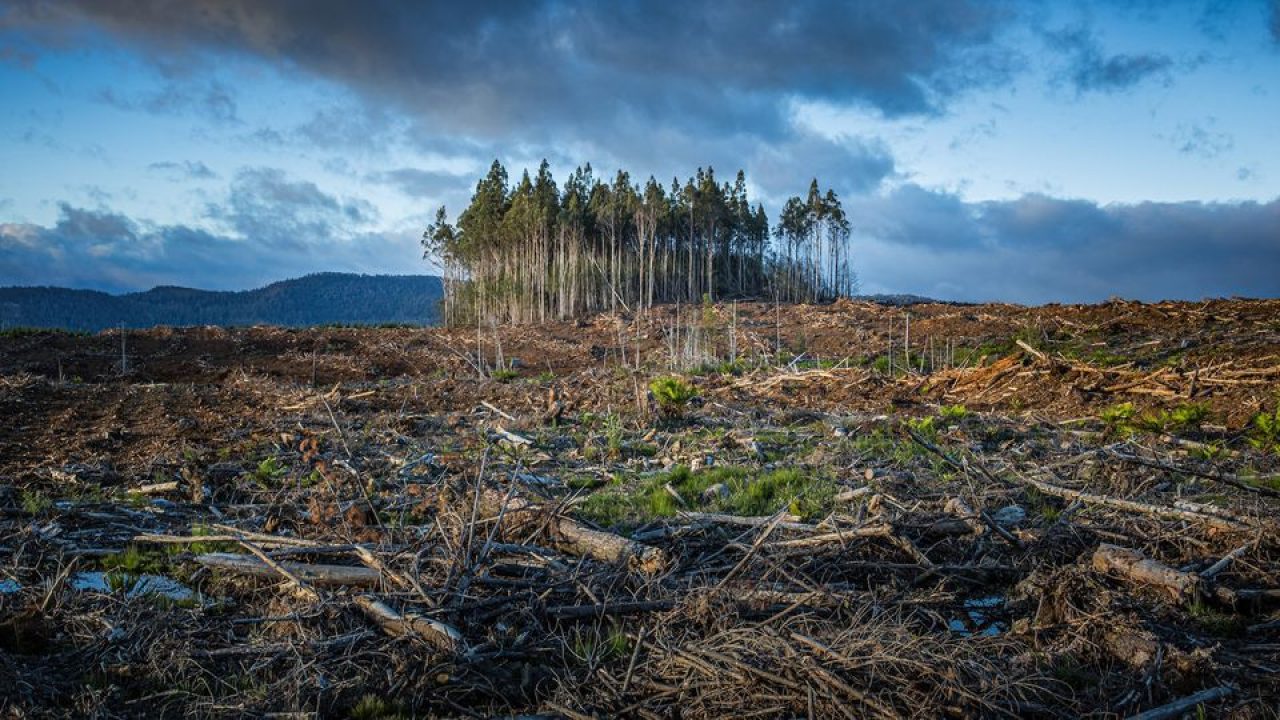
1020,151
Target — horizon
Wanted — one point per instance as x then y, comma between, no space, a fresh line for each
1011,152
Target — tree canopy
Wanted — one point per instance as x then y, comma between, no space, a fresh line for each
536,251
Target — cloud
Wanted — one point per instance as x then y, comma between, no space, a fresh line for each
1205,142
186,169
105,250
851,166
207,99
1038,249
487,69
266,206
1275,20
417,183
268,227
1090,70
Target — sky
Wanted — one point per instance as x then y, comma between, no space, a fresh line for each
1026,152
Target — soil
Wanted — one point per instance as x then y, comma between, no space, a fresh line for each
925,557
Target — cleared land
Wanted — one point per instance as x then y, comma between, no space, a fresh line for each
1049,512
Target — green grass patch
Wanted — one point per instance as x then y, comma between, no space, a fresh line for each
1214,621
748,492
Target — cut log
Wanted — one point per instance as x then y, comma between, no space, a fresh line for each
309,573
576,538
1135,567
434,632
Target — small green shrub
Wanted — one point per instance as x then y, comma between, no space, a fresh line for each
268,471
1180,419
925,427
504,375
672,395
613,434
35,502
1264,432
1118,414
953,412
374,707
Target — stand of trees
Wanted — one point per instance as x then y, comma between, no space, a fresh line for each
536,251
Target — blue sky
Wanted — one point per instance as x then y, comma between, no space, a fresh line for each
1021,151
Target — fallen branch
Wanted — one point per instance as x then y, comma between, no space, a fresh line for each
1178,707
442,636
310,573
1233,481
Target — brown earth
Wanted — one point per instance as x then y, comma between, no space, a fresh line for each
333,437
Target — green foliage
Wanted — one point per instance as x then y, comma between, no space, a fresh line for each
672,395
35,502
375,707
504,374
613,434
747,492
591,646
1182,418
268,471
1264,431
1117,414
1215,621
1124,420
732,368
925,427
953,412
135,561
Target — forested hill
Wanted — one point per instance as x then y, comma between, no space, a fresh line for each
321,299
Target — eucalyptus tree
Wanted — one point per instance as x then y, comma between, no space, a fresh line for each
538,251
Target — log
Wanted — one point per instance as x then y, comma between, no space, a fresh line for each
434,632
964,522
575,538
578,612
1133,506
314,574
884,531
788,521
1134,566
1178,707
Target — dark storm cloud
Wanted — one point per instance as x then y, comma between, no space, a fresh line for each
1091,70
186,169
489,69
1039,249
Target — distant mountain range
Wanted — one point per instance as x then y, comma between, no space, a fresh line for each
321,299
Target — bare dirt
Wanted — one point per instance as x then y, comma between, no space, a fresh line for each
853,538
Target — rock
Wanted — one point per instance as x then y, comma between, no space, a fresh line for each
1009,515
715,492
